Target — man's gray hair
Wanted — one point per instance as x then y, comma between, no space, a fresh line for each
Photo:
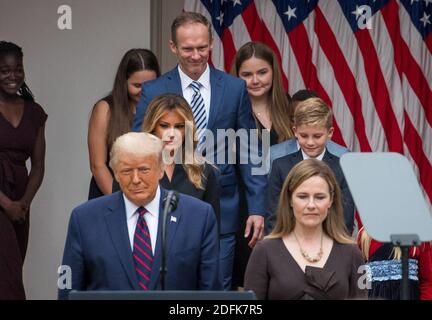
136,144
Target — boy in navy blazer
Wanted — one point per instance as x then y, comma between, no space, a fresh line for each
313,128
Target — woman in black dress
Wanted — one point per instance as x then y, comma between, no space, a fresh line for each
113,115
22,136
170,118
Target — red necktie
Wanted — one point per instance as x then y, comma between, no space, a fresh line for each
142,250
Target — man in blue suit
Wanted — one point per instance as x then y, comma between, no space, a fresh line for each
226,105
114,242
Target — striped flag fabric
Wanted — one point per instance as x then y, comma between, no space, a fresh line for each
371,61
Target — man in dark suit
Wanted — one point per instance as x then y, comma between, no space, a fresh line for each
114,242
224,105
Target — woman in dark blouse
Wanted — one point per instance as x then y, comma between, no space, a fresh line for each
308,255
112,116
170,118
257,64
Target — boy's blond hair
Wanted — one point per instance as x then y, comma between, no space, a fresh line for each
313,111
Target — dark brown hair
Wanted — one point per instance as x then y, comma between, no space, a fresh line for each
279,107
121,113
333,225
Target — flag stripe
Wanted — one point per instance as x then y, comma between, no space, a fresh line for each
239,33
402,59
386,58
415,112
290,67
412,140
229,48
343,76
259,32
377,80
429,43
303,53
379,91
349,47
325,74
413,40
405,61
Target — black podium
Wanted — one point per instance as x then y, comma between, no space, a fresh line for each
162,295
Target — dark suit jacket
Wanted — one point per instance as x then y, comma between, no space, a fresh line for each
280,169
230,108
181,183
99,254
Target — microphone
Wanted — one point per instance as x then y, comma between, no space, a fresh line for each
169,204
171,200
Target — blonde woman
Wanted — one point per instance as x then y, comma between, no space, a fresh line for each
384,262
167,117
308,255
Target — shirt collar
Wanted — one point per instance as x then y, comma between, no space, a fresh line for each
186,80
152,207
320,157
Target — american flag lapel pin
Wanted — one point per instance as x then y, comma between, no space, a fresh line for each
173,219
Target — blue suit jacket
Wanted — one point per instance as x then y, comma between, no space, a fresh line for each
281,168
230,108
290,146
99,254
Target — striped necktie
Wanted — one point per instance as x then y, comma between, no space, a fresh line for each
142,250
198,109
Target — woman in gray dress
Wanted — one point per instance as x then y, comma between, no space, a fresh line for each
308,255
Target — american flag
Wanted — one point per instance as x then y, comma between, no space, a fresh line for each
370,60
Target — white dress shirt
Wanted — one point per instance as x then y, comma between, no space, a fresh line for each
152,218
320,157
205,89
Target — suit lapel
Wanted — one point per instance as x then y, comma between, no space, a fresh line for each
118,230
170,235
217,87
333,163
296,157
329,159
173,83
